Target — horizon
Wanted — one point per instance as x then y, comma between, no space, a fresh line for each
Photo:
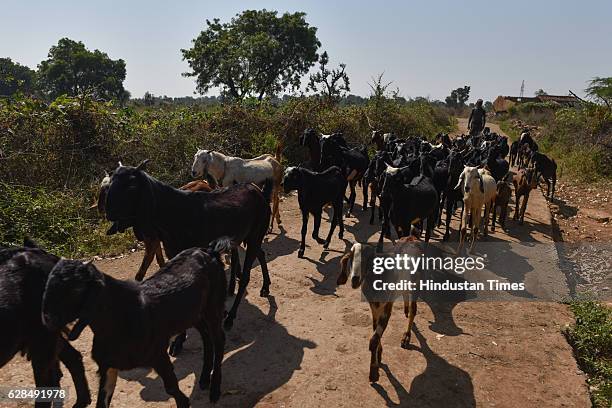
424,53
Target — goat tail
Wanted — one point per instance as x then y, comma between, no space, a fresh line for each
268,187
278,154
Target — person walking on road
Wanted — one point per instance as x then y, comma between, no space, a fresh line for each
478,119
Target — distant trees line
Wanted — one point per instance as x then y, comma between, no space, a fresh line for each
257,54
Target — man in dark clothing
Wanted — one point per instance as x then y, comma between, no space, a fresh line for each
477,120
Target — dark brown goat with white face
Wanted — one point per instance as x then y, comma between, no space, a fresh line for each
23,274
183,219
133,323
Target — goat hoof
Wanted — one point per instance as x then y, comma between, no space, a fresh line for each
406,341
228,323
264,292
341,235
82,402
326,244
320,241
374,374
300,253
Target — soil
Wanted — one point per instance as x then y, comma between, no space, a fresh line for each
307,344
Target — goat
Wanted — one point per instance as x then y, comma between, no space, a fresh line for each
406,204
354,162
524,181
311,140
152,244
450,195
184,219
23,274
502,198
373,178
478,189
360,257
547,169
514,150
314,191
229,170
133,322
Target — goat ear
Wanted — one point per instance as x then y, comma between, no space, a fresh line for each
143,165
460,181
344,261
96,285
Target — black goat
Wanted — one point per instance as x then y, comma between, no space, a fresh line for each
373,179
310,139
133,322
547,169
450,195
314,191
354,163
23,274
406,204
185,219
497,165
514,150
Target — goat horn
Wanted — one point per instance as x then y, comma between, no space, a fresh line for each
143,164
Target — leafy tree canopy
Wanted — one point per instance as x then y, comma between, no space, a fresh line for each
458,97
15,77
600,89
540,92
330,84
72,69
257,53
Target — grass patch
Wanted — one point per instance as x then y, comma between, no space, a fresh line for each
591,338
59,221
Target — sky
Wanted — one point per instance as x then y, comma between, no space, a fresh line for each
425,48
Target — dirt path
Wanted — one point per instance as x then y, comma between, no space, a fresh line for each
307,345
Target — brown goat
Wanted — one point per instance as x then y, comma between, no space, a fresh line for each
361,257
152,244
524,181
504,192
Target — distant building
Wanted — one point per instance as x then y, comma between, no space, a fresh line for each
503,103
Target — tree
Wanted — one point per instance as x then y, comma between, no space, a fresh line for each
15,77
458,97
332,85
257,53
72,69
540,92
600,89
488,106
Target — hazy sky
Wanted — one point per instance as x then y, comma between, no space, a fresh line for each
425,48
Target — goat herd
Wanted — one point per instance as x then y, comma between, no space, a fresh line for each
134,322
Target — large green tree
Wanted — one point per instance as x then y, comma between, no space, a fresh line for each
72,69
15,77
257,53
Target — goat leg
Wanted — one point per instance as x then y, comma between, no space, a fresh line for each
251,254
152,246
265,286
73,361
317,226
165,370
304,230
410,310
334,221
177,344
108,380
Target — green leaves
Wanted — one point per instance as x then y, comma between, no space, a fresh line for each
72,69
257,54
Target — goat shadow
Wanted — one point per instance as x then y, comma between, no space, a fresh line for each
260,356
441,384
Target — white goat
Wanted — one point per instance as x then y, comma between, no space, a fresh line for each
228,170
479,189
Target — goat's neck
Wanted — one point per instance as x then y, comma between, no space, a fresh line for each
216,167
116,296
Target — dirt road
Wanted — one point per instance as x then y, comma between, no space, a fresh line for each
307,345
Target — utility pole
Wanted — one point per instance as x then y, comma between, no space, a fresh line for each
522,88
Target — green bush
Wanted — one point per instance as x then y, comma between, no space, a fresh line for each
53,156
591,338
